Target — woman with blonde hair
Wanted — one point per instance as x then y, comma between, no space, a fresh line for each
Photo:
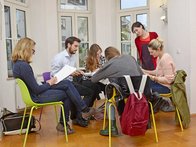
50,91
163,76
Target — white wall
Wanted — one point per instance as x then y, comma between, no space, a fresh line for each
181,41
104,29
157,25
192,43
44,30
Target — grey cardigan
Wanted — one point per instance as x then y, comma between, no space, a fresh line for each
117,67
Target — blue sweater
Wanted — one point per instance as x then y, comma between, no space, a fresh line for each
23,70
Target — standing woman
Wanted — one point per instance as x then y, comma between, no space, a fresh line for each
147,61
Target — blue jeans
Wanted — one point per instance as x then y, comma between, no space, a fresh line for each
158,87
66,92
54,95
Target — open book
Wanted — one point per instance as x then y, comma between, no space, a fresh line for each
64,73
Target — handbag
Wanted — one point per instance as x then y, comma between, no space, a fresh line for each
12,123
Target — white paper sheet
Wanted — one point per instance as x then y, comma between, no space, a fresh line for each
64,73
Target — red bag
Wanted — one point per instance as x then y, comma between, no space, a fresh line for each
135,116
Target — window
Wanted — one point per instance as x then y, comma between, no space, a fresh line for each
126,4
15,28
135,11
74,4
76,23
22,1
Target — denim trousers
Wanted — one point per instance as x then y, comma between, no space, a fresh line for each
66,92
156,87
54,95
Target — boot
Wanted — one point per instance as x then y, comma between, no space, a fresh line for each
114,129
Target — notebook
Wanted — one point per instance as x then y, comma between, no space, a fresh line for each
64,73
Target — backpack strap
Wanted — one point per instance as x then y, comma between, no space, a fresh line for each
129,83
143,83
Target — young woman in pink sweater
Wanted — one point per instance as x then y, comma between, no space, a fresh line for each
163,76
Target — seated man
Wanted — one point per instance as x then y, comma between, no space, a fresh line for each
67,57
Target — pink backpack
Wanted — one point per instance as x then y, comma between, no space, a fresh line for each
135,116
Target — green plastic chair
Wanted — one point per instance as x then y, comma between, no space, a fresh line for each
29,103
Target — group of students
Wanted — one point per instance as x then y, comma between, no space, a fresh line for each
157,64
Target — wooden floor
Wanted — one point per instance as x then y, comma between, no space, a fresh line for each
169,134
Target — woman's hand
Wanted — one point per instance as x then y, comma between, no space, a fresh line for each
52,81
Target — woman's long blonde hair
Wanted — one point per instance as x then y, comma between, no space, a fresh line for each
92,63
23,50
155,44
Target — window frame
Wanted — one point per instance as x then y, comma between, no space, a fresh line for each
133,12
13,28
75,14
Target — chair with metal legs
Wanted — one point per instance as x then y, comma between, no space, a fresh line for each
169,95
29,103
112,103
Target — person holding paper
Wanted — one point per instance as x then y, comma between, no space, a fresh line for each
68,57
48,92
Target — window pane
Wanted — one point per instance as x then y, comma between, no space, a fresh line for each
126,48
22,1
83,29
125,28
126,4
9,56
74,4
7,22
20,24
142,18
83,53
66,28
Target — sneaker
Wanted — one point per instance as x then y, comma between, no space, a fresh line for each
60,128
80,122
86,115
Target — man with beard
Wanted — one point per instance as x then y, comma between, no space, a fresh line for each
68,57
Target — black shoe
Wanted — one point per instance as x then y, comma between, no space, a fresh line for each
80,121
61,128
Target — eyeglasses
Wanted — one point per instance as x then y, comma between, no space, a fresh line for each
33,51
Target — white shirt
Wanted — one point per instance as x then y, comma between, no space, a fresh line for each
62,59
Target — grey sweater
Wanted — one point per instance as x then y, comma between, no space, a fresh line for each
117,67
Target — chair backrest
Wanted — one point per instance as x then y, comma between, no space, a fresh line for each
25,93
46,76
136,80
